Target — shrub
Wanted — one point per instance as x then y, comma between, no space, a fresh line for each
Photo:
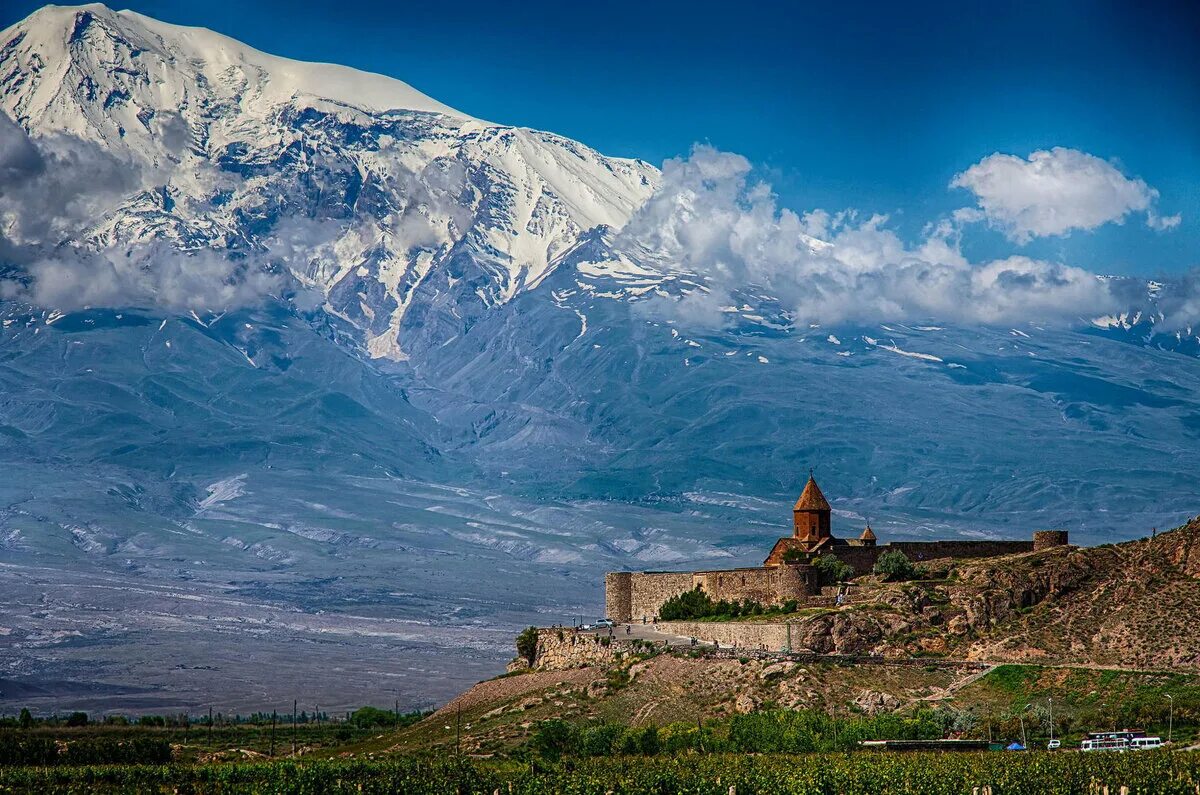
794,555
77,719
23,750
833,570
895,566
527,643
640,741
554,738
599,740
373,718
109,751
690,604
697,604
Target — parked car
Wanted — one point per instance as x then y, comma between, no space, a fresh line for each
604,622
1053,744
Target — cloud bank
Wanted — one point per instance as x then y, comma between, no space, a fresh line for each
710,218
1053,193
53,190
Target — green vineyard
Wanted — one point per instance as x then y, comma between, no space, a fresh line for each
815,774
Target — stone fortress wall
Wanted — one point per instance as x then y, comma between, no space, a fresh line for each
634,596
862,559
788,572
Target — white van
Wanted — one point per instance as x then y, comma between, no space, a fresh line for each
1145,743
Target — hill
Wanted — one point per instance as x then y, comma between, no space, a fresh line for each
1106,633
1128,605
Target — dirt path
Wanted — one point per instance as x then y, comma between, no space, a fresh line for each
498,691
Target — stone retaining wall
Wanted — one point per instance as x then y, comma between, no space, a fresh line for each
742,634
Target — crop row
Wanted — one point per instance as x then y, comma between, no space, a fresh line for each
824,774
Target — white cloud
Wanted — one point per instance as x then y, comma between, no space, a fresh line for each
708,218
1054,192
156,276
1162,223
53,189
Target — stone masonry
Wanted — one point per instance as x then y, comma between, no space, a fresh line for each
788,572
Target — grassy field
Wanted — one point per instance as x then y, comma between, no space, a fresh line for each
826,774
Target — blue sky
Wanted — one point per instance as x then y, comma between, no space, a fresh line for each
875,106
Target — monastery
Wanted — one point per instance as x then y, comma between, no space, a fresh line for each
788,572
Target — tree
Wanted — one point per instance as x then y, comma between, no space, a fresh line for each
793,555
372,717
554,738
895,566
833,570
527,644
77,719
26,719
691,604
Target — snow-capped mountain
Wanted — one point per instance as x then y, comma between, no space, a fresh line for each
414,200
448,406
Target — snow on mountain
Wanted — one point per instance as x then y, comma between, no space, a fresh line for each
402,198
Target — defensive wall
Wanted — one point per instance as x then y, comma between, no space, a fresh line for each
862,559
637,596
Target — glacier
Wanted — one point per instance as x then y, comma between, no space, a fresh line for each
445,409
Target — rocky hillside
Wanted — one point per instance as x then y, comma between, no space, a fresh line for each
1125,605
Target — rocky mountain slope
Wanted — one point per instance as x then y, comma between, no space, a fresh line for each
1124,605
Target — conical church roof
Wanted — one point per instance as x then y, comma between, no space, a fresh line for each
811,499
868,534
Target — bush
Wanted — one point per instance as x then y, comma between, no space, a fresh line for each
372,717
77,719
599,740
895,566
19,750
697,604
690,604
527,643
833,570
107,751
640,741
793,555
554,738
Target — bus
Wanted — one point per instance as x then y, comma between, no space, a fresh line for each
1125,740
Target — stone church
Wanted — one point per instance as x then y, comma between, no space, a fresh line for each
788,572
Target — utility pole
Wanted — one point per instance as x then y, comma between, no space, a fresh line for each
1051,701
1170,717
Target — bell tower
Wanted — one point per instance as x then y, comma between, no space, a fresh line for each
810,515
